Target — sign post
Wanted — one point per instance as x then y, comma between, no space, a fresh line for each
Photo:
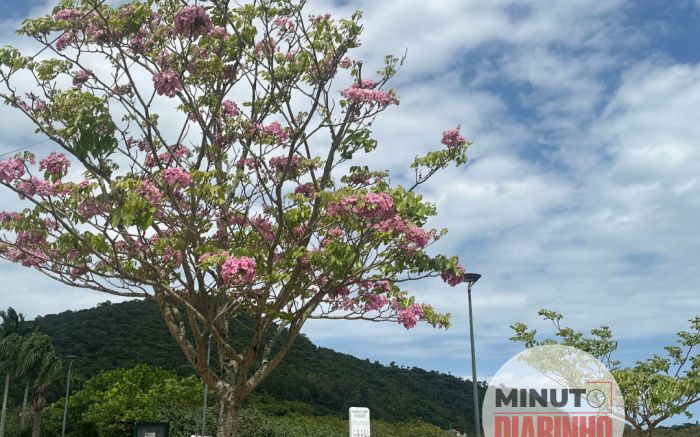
359,422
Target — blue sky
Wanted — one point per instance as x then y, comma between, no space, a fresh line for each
583,190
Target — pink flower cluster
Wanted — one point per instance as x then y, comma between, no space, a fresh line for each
192,21
266,47
408,317
91,208
275,130
229,108
167,83
452,139
279,163
150,192
11,169
81,77
28,257
167,158
284,25
306,189
172,255
218,33
238,270
56,164
177,178
67,14
35,186
453,279
374,302
66,39
377,206
364,93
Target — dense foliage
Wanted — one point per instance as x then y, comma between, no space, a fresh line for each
110,402
312,381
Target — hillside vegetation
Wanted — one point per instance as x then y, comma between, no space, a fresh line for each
312,381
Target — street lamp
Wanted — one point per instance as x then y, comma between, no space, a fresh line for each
470,279
65,405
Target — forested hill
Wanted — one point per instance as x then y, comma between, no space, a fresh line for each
312,380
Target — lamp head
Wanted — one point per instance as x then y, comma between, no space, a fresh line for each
471,278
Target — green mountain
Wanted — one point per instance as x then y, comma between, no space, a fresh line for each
312,380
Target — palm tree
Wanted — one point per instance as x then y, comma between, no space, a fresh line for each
12,328
41,365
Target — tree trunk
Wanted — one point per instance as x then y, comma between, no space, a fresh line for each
39,405
228,417
23,414
4,404
36,426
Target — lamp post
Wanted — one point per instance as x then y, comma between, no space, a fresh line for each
65,405
470,279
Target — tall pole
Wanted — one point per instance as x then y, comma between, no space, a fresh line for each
65,405
475,387
204,406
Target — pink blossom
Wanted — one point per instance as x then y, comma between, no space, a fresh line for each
6,217
11,169
192,21
167,83
393,224
56,164
409,316
306,189
378,205
177,178
374,302
172,255
150,192
29,239
95,32
319,18
218,32
364,95
265,47
280,163
81,77
78,271
238,270
452,139
67,14
167,158
417,236
264,228
345,63
229,108
274,130
65,40
451,278
284,25
50,224
91,208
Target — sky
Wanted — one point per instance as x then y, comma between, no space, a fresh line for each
582,193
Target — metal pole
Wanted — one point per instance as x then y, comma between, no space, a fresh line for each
204,406
477,416
65,405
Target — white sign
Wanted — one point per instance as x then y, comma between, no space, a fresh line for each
359,422
149,434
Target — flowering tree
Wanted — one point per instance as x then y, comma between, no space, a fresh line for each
238,197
